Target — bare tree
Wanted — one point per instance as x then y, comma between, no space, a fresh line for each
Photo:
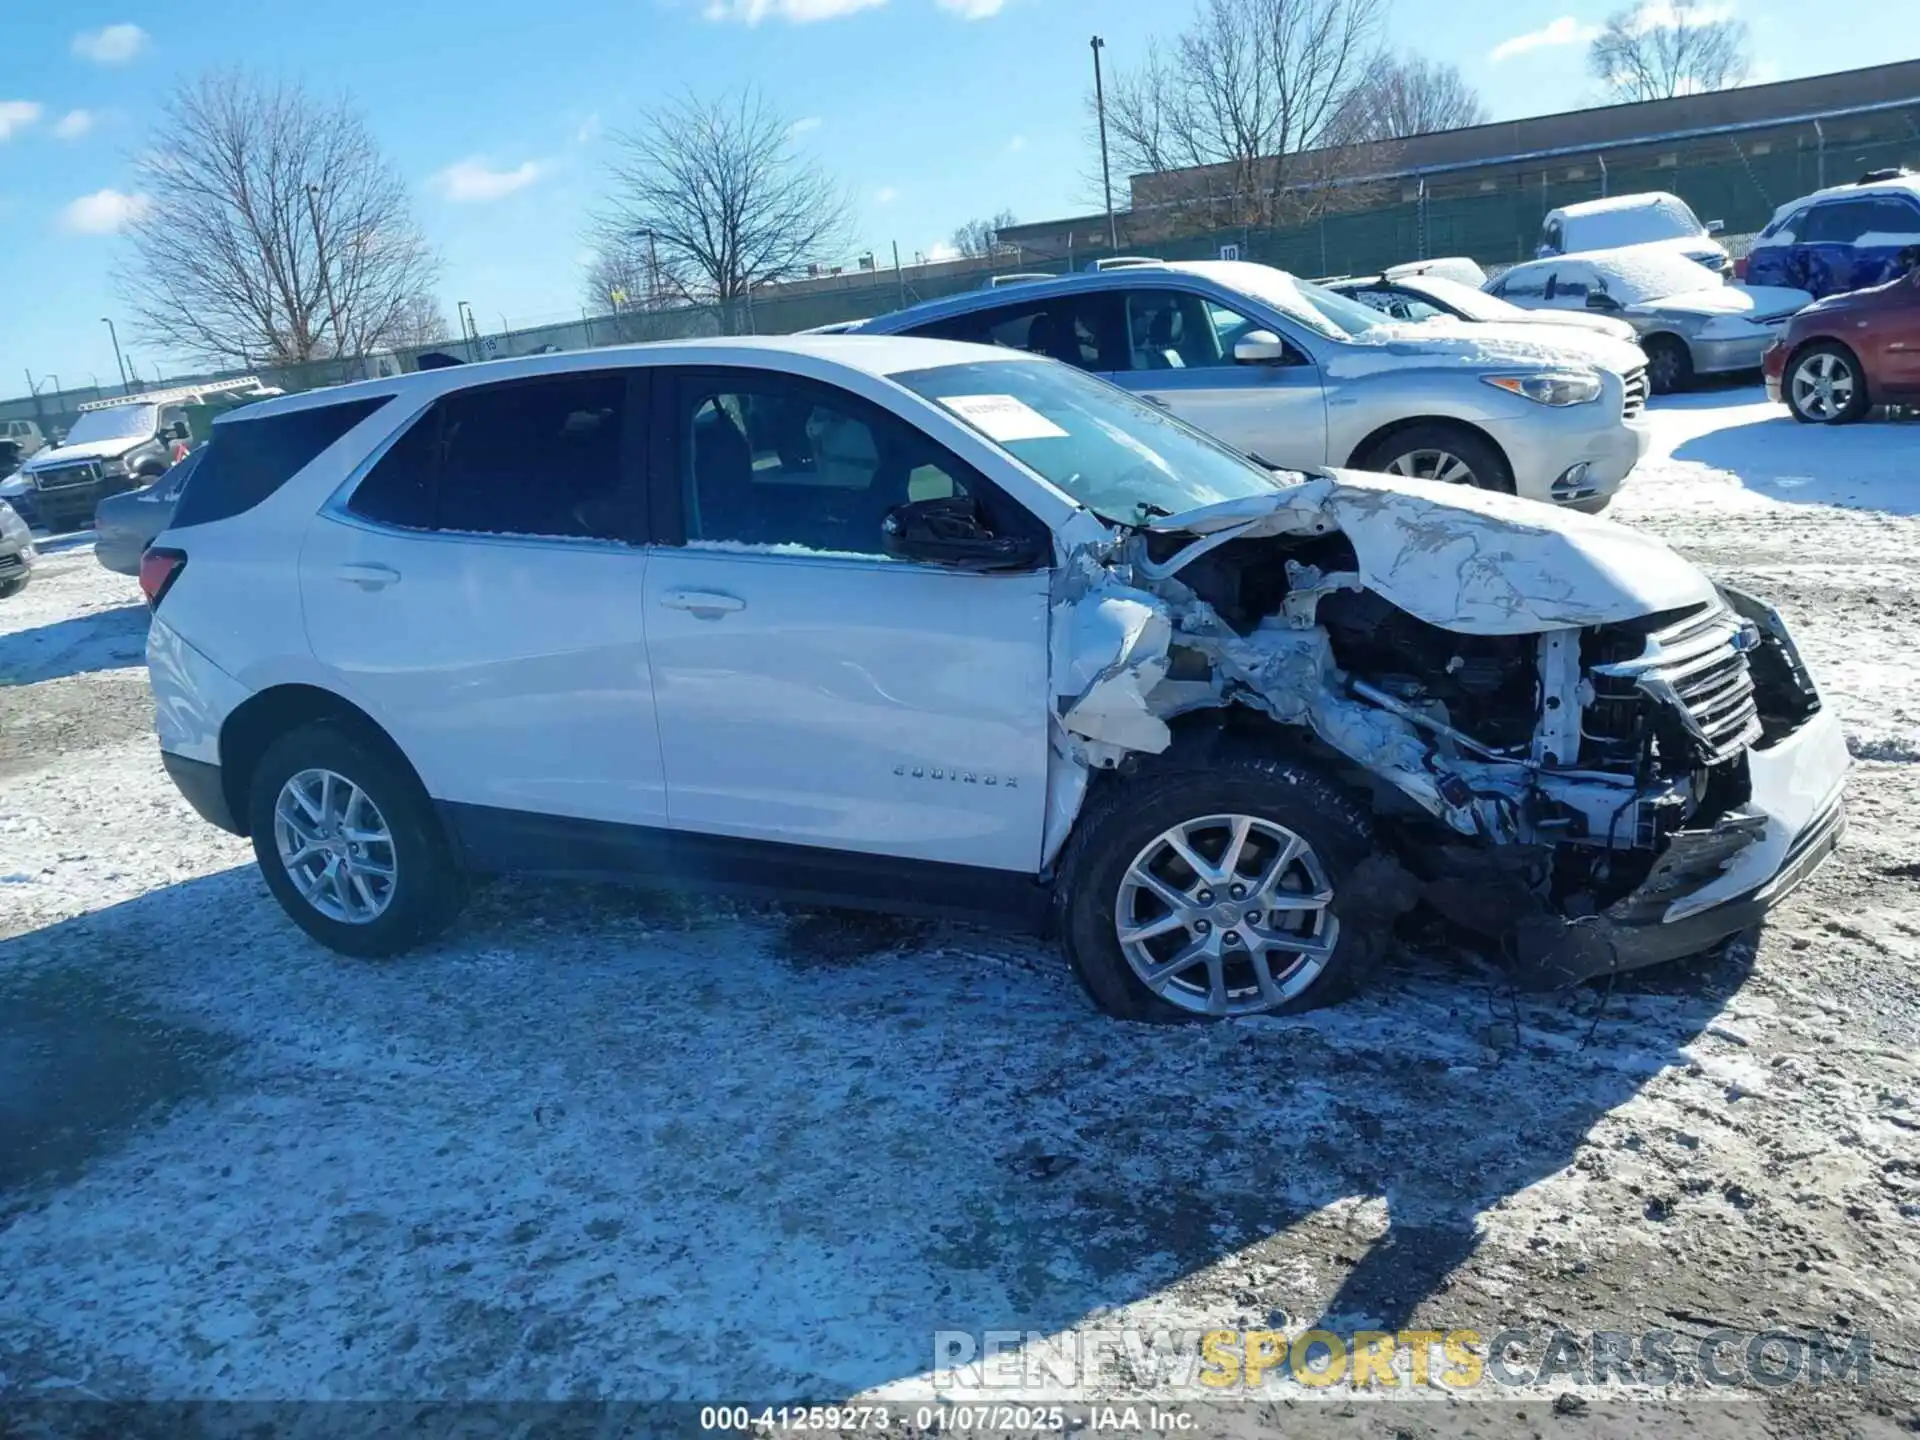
421,322
275,230
618,277
978,237
1669,47
716,193
1399,97
1243,91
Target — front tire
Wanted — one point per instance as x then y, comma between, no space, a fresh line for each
349,843
10,588
1669,364
1824,385
1204,890
1445,453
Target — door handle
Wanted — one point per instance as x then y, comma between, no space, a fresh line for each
706,604
368,577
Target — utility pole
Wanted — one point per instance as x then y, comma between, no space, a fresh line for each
116,352
326,271
899,276
1106,174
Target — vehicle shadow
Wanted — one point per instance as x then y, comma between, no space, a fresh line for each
1869,465
103,640
599,1142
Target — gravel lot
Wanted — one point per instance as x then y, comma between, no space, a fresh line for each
602,1143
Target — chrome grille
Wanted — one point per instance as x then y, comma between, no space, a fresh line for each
1698,665
1636,397
62,477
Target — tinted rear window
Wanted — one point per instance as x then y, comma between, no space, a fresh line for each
247,460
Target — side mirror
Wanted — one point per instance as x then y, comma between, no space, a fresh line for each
1714,227
1259,347
948,531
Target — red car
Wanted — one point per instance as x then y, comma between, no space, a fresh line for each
1840,356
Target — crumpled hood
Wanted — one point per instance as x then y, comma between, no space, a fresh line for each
1464,559
79,454
1492,344
1745,301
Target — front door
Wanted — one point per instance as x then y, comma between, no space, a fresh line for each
812,691
1180,355
480,593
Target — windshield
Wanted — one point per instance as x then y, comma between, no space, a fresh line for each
122,422
1648,272
1463,299
1117,455
1632,220
1314,306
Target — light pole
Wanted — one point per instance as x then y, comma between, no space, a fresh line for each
468,327
1106,175
116,352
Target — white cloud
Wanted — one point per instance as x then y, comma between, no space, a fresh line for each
75,124
473,179
885,195
797,12
588,130
17,115
804,124
1564,31
942,250
1016,144
103,212
973,9
113,45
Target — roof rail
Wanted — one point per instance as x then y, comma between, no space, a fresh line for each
1019,278
179,394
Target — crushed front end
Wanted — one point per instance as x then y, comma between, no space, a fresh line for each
1575,744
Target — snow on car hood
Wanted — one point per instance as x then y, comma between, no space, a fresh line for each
1472,561
1492,343
79,454
1746,301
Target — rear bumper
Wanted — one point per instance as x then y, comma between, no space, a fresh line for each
204,787
1752,862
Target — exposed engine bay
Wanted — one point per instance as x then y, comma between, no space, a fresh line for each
1549,731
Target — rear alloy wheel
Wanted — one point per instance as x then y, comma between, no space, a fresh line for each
1825,387
1443,453
1669,364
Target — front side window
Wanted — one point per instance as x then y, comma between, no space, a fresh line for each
1122,458
537,458
769,462
1179,330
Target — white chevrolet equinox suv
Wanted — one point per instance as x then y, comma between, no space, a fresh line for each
952,630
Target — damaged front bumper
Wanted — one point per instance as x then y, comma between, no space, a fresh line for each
1713,883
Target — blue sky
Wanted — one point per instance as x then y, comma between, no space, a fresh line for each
498,113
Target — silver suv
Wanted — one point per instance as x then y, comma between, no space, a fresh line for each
1300,376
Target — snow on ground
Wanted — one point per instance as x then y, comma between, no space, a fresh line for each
607,1143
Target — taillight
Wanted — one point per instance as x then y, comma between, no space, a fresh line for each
1740,269
158,570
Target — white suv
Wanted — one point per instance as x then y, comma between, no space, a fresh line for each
959,631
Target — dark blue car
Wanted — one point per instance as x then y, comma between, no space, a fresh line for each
1843,238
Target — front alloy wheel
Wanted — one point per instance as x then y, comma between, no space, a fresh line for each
1441,465
1226,915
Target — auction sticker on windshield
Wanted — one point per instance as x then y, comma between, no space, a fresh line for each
1002,418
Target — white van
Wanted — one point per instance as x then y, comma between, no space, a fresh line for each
1640,219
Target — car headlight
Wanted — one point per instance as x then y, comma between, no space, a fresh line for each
1557,387
113,467
15,484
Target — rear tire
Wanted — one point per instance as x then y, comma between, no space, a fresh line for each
1203,957
1669,364
355,894
1438,451
1825,385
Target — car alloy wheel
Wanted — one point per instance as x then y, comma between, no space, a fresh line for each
1824,386
1441,465
1226,915
335,846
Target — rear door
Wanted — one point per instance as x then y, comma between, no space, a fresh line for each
1180,355
478,588
814,693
